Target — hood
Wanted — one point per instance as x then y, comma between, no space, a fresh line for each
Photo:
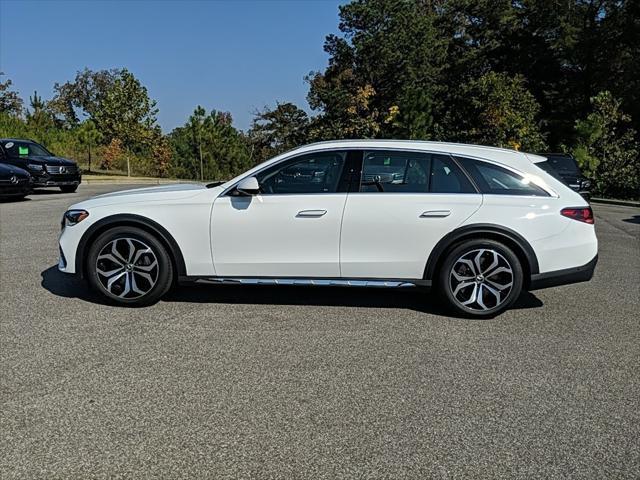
162,193
46,160
6,171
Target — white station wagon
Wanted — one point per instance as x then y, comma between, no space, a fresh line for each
479,224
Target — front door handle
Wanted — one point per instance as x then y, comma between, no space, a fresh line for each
435,214
311,213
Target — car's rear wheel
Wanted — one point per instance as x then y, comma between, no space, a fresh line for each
129,266
480,278
68,188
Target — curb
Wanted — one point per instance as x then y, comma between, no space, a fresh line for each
624,203
129,182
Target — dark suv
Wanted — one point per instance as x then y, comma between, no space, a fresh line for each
46,169
565,168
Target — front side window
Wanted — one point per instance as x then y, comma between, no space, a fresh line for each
496,180
405,172
311,173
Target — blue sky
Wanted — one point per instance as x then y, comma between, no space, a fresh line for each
234,56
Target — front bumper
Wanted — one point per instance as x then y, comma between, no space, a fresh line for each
13,190
567,276
56,180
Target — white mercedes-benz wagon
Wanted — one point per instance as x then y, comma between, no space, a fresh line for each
479,224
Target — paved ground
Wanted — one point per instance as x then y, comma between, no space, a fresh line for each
237,382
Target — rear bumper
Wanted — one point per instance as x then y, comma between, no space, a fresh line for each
567,276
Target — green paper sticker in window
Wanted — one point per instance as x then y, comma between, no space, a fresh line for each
387,161
23,150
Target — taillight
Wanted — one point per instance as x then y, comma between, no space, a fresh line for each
582,214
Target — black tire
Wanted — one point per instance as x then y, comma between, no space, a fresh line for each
141,281
69,188
493,294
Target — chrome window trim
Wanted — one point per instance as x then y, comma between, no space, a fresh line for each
546,188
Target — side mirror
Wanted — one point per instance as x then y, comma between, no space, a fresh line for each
248,186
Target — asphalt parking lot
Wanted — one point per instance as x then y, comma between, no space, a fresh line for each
296,382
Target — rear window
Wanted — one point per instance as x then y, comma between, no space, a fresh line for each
495,180
563,164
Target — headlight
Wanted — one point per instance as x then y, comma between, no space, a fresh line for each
586,184
73,217
35,166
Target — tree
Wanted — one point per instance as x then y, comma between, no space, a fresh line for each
83,95
213,139
38,116
89,137
127,113
607,148
10,102
384,73
498,110
112,154
275,131
195,125
162,155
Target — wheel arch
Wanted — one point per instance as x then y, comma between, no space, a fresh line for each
138,221
510,238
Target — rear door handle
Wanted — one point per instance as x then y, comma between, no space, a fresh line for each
311,213
435,214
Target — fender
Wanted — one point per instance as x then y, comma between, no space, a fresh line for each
139,221
513,239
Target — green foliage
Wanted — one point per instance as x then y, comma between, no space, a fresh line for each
496,109
384,75
209,147
607,149
84,94
275,131
514,74
10,102
127,113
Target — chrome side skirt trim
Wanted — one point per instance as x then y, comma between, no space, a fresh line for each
318,282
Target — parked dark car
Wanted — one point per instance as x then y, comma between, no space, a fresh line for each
14,182
46,169
565,168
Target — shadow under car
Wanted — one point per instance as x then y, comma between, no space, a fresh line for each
69,286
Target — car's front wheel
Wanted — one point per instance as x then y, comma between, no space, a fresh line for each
481,278
129,266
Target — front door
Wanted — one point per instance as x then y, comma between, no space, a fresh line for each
406,203
291,228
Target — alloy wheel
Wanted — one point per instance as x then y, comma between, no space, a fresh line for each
481,279
127,268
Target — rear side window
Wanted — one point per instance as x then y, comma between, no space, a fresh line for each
412,172
495,180
446,176
389,171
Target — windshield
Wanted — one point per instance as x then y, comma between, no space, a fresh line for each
16,149
563,164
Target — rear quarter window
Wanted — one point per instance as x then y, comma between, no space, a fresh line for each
495,180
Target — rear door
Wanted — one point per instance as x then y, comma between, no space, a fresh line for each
407,201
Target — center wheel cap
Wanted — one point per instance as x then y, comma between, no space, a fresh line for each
480,279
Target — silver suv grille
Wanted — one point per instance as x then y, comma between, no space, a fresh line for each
61,170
